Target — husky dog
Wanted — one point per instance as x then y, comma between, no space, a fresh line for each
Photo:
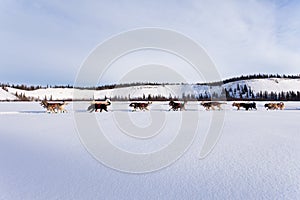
274,106
61,107
212,105
280,105
141,106
271,106
54,107
99,105
247,106
175,106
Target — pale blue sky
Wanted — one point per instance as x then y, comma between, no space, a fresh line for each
44,42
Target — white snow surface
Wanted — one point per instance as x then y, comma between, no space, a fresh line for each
270,84
257,85
4,95
257,157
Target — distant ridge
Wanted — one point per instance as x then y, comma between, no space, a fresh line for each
260,87
111,86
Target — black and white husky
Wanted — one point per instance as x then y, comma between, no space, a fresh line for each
177,106
99,105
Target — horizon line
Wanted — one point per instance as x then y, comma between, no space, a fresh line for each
241,77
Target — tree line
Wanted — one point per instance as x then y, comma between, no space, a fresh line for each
122,85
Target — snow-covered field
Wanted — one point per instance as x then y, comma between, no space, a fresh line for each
256,157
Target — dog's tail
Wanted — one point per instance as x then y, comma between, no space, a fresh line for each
44,103
267,105
131,104
254,105
91,108
183,105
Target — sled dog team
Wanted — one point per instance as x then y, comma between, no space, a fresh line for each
55,107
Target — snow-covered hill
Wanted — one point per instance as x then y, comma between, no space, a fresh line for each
254,86
270,84
4,95
128,92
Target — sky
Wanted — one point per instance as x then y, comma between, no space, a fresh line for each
45,42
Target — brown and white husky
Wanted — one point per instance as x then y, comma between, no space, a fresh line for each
212,105
54,107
